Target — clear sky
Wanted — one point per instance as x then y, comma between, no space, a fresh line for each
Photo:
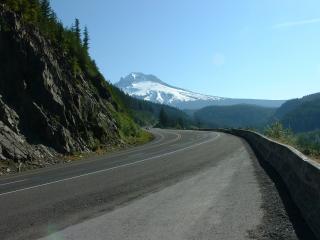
250,48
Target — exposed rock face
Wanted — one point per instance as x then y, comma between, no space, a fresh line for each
45,110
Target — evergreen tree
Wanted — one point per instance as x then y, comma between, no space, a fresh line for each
180,123
53,16
76,29
163,118
45,8
86,38
61,36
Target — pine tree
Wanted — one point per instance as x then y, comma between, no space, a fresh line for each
180,123
163,118
53,16
76,29
86,38
61,35
45,8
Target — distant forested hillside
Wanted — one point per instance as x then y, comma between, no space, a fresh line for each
304,118
300,115
147,113
233,116
293,104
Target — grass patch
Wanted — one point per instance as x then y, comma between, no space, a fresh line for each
141,138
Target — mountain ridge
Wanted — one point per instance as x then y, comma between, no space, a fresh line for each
233,116
300,114
149,87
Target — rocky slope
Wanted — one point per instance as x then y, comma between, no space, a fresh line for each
44,109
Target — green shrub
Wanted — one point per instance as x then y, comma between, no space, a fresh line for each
308,143
278,132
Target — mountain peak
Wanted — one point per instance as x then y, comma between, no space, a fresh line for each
150,88
136,77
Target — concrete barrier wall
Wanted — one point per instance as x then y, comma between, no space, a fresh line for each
300,174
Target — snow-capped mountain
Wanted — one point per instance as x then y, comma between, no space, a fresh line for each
150,88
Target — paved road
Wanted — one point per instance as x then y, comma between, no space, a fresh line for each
183,185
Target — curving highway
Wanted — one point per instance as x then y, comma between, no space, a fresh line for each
182,185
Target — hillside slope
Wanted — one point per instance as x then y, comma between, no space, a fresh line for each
233,116
300,115
304,118
294,103
52,99
147,113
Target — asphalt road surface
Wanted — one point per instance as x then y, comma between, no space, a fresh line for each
182,185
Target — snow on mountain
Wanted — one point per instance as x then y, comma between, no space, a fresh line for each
164,94
150,88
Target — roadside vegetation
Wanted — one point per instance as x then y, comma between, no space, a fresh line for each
308,142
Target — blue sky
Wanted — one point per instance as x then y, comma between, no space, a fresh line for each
250,48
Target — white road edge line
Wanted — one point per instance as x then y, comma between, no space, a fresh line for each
110,169
4,184
117,154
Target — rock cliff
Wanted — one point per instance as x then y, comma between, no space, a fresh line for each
44,108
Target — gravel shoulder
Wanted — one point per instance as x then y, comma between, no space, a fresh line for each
281,217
